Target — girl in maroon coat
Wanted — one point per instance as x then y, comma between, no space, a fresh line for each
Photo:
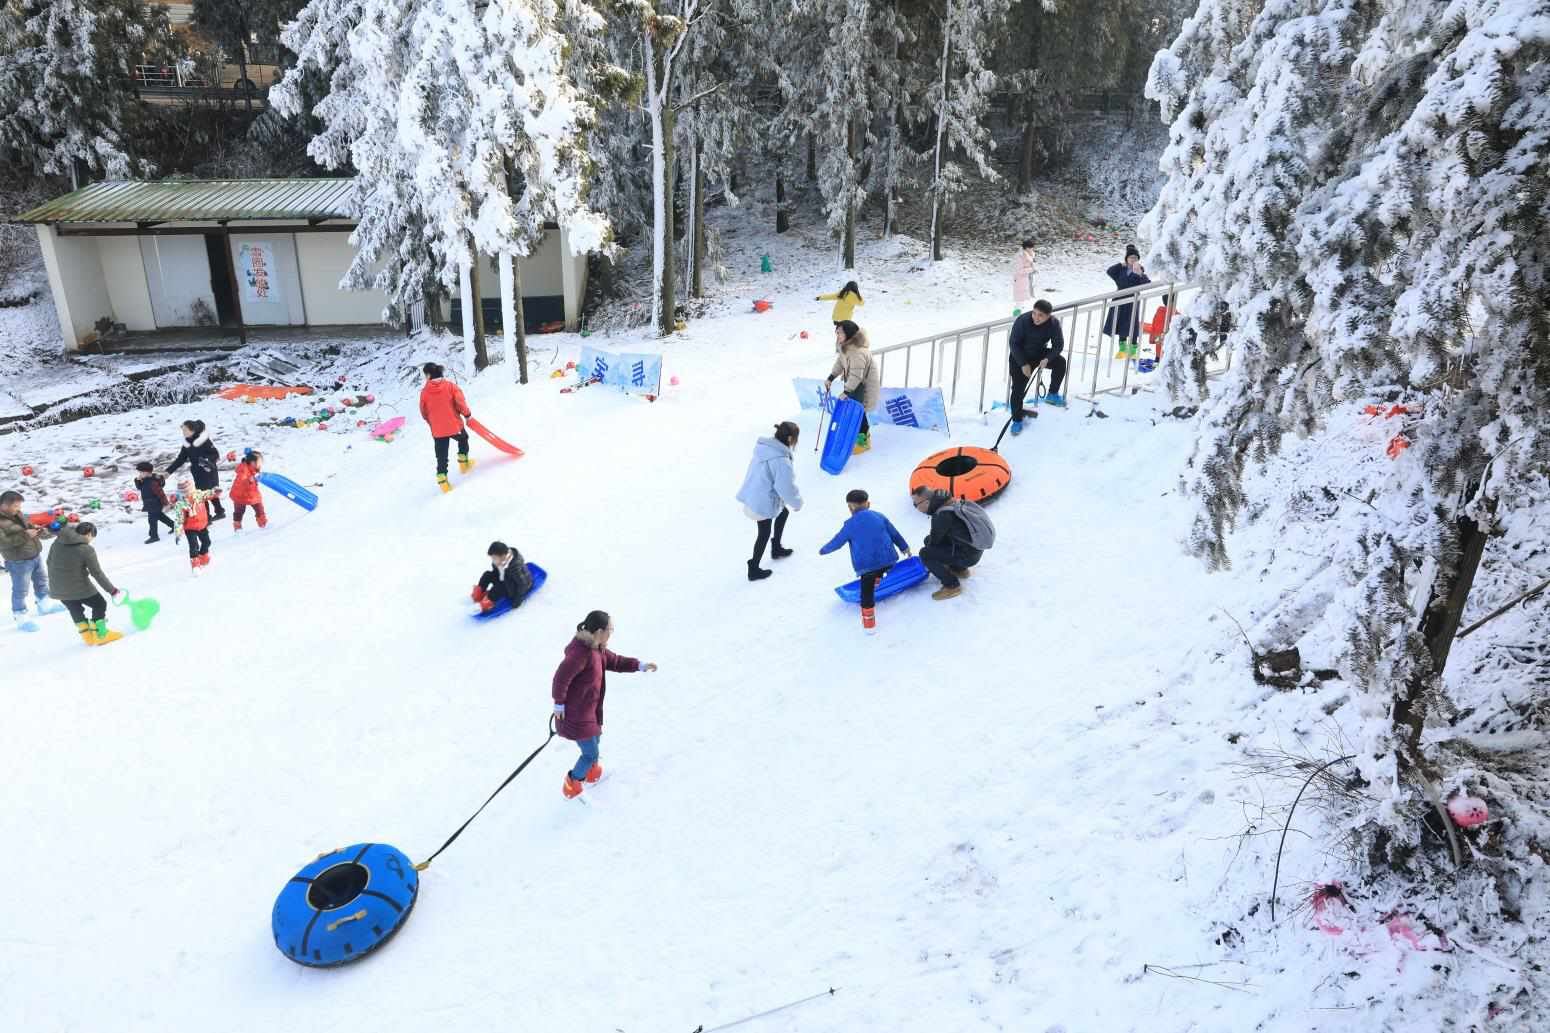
579,686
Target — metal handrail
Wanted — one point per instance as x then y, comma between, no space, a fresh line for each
1085,351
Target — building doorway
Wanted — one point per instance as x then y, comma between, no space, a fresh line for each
226,311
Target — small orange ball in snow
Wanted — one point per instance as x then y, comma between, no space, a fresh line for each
73,518
89,471
131,496
673,382
26,471
231,457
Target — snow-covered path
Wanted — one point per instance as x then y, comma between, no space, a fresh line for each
991,815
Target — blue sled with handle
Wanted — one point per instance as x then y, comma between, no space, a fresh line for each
539,575
290,489
840,442
906,573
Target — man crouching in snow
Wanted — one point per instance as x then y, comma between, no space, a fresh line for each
960,534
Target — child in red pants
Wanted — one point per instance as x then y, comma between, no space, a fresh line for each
244,490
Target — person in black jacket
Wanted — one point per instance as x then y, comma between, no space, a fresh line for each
508,578
153,499
947,551
200,453
1124,321
1035,343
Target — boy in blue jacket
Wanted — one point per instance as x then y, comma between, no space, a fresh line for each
873,541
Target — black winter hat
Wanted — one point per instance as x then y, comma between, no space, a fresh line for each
1130,249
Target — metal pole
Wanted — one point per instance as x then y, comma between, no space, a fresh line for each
957,361
907,353
984,370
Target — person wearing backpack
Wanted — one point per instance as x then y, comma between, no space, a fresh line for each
960,534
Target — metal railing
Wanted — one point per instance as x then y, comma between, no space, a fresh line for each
972,360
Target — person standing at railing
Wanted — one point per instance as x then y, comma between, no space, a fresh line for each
846,300
1022,275
1124,321
1035,343
862,380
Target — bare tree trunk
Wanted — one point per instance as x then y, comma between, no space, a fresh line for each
850,202
1025,162
481,355
938,200
697,217
812,159
782,215
1439,624
669,300
521,321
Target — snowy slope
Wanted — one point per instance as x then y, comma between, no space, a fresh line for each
993,815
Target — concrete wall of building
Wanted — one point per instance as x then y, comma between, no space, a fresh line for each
75,279
123,267
324,258
177,274
269,297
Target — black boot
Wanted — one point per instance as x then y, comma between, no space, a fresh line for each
757,573
779,551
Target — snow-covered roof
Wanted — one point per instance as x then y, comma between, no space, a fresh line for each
198,200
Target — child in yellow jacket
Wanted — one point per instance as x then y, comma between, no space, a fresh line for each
846,301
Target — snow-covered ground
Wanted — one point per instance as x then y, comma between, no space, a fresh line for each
1022,809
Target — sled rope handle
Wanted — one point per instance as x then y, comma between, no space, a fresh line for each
336,923
452,838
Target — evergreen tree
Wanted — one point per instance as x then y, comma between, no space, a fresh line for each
1361,189
465,130
68,105
959,99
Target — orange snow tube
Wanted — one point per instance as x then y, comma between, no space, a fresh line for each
971,473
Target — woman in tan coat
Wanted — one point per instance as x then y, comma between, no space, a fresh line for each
861,377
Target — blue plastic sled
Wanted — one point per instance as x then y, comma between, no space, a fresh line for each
906,573
844,425
290,489
540,575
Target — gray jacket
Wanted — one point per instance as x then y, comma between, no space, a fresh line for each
771,481
72,564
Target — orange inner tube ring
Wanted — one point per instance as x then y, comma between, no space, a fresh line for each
966,472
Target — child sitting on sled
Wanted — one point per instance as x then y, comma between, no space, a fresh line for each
508,578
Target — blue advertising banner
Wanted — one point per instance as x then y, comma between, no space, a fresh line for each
920,407
637,374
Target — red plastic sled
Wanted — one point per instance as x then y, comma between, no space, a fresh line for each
487,434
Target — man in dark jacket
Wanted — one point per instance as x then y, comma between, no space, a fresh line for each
1035,343
508,578
948,551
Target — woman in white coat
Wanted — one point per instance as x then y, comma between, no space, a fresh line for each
769,493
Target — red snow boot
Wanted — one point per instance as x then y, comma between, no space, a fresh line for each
486,604
869,620
236,525
263,521
204,559
571,788
477,595
595,773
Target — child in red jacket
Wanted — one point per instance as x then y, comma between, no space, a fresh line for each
579,686
192,512
442,406
244,490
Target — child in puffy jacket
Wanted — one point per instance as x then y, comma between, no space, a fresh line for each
152,487
443,406
873,541
244,490
508,579
192,512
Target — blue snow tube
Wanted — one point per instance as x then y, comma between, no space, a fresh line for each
344,905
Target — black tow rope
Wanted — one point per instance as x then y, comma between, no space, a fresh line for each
1036,384
453,838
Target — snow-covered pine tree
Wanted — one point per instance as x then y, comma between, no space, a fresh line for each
958,100
661,29
1361,189
464,129
68,106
